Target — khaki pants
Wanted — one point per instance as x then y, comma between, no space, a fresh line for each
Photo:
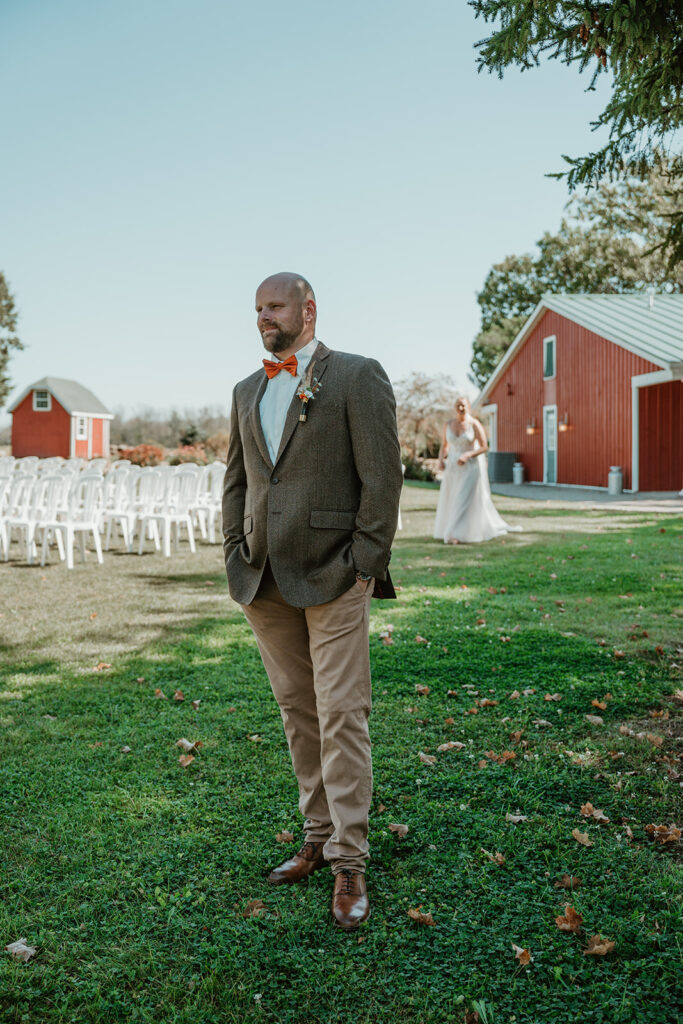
318,663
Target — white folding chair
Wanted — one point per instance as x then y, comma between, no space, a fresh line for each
17,503
181,496
209,499
82,518
118,509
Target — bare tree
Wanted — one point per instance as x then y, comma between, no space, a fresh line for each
422,405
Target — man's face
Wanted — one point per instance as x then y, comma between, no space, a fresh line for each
279,315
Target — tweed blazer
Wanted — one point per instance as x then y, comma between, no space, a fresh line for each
328,506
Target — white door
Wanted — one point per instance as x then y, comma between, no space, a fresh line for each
549,444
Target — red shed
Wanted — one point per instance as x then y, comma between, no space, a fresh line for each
593,381
59,417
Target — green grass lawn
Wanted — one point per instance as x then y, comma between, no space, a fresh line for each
132,875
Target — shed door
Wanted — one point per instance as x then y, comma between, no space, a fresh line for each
549,444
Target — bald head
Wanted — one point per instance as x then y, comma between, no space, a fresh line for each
294,283
286,313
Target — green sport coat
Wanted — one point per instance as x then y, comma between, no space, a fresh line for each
328,506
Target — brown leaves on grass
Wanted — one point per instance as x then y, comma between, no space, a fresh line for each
495,858
285,837
515,818
486,702
179,695
568,882
101,666
421,639
400,829
600,704
20,950
187,745
594,719
507,755
449,721
421,918
553,696
195,704
255,738
664,833
598,946
159,694
185,760
255,908
451,745
582,837
386,637
426,758
523,955
421,689
570,921
589,811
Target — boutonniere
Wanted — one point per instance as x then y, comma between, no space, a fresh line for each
308,388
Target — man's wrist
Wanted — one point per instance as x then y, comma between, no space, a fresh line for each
365,576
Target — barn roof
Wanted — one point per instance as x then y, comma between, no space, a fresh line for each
71,395
649,326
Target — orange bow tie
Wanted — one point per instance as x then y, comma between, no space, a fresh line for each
273,368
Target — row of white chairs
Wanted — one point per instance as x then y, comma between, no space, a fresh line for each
150,502
32,465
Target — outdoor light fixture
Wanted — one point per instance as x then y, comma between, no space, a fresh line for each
510,388
531,426
563,425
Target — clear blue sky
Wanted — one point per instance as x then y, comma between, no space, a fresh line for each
160,157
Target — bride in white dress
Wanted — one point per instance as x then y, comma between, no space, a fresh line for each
465,512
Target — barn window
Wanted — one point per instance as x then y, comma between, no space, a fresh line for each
81,428
549,357
42,401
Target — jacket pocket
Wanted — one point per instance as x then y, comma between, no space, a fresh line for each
248,525
332,519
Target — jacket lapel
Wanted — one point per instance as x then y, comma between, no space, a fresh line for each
255,420
319,357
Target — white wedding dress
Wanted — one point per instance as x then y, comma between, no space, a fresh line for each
465,511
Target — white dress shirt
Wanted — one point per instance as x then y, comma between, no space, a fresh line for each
278,396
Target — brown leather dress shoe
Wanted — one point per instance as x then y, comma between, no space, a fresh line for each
301,865
350,904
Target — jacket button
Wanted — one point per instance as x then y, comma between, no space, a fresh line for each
275,480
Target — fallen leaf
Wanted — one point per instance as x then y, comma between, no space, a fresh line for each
664,833
421,689
594,719
140,679
421,639
514,695
421,918
598,946
399,829
601,704
451,745
516,736
255,738
195,704
426,758
449,721
472,711
582,837
188,746
285,837
454,693
570,921
482,764
50,718
515,818
553,696
20,950
381,809
589,811
653,738
523,955
485,702
541,722
568,882
256,908
100,666
230,710
159,694
186,759
179,695
495,858
528,692
619,654
505,639
209,583
93,615
126,750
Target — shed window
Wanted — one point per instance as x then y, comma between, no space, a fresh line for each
548,357
81,428
42,401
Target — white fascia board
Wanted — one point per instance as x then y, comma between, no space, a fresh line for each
95,415
517,343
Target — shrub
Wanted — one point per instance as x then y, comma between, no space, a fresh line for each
143,454
188,453
416,470
217,444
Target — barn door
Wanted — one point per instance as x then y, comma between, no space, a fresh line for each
549,444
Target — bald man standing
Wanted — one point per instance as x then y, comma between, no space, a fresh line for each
310,507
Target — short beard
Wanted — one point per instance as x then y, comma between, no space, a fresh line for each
282,340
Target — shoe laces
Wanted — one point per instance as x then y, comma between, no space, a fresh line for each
309,851
347,887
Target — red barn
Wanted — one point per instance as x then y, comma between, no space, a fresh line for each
59,417
593,381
